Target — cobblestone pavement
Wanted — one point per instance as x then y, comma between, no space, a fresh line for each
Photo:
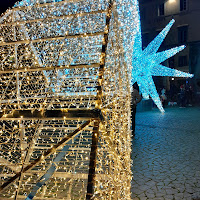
166,155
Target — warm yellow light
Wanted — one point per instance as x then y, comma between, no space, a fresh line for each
51,66
172,1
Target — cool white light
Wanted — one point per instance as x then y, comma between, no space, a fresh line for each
146,63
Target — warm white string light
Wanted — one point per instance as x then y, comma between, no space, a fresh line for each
50,57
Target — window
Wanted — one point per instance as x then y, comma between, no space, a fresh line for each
198,82
145,39
171,62
161,9
182,61
182,34
183,5
143,13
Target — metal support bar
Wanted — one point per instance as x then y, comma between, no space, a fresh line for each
66,175
53,114
23,152
103,56
93,154
51,38
38,5
51,18
49,118
95,65
46,154
92,165
38,130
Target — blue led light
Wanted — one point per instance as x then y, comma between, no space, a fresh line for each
146,63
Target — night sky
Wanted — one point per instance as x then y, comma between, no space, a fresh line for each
5,4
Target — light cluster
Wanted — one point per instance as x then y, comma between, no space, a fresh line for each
146,63
65,81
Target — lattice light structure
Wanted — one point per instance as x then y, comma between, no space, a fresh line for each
65,76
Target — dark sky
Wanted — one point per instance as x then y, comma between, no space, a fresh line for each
5,4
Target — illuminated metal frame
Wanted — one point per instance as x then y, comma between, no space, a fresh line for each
90,115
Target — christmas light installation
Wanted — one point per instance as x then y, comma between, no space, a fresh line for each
65,80
146,63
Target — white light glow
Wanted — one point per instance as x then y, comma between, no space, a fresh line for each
146,64
172,1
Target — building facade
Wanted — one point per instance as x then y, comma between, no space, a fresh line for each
155,15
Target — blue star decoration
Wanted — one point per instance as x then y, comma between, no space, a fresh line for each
146,64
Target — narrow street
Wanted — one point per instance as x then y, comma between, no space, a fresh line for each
166,155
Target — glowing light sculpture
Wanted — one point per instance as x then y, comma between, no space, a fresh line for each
146,63
65,92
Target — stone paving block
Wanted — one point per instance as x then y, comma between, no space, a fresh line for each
179,195
166,155
169,197
150,195
142,196
171,191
